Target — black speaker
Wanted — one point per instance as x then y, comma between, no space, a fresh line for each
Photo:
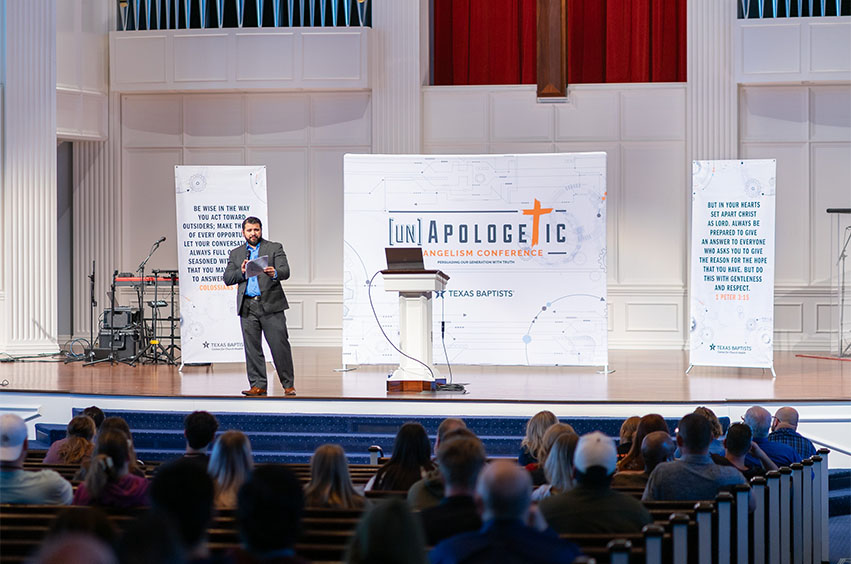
124,318
125,343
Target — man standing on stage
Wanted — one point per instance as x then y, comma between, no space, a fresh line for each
260,304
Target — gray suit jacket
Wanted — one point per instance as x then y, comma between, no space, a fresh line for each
271,294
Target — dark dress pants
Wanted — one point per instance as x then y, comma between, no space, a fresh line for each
274,326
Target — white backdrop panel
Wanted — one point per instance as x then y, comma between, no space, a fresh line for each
512,299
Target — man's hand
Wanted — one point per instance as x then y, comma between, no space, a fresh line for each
243,265
270,270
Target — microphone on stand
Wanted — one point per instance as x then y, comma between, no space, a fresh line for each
160,240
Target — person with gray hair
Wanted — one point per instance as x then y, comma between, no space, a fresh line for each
504,492
759,420
784,429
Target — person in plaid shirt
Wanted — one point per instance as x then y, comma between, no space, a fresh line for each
784,429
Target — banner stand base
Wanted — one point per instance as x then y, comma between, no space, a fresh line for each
605,370
345,368
773,373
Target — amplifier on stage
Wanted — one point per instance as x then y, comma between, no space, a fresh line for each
125,318
125,343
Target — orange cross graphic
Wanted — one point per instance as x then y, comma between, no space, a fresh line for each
537,212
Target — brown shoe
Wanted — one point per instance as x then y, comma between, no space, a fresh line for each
289,391
254,392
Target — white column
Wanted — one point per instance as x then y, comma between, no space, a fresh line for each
96,212
400,40
712,95
28,311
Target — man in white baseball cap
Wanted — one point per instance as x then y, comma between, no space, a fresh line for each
18,485
592,506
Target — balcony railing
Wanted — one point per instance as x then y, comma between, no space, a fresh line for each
136,15
758,9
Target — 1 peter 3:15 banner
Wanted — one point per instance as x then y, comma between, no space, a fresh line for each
732,263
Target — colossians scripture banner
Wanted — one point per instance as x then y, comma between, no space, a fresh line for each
212,201
522,237
732,263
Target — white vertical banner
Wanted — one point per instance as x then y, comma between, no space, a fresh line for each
732,263
212,201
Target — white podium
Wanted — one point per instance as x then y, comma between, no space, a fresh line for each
415,289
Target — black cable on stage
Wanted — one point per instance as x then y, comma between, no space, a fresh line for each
450,387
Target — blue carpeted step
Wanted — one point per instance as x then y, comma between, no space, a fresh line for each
839,478
839,502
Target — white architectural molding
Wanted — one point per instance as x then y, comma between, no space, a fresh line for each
793,50
713,119
401,69
239,59
29,312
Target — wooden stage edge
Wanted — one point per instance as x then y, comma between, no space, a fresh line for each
656,377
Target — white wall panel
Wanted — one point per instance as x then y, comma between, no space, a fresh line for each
652,317
340,119
830,47
201,58
147,207
516,116
346,63
589,115
287,194
653,113
213,120
455,116
827,316
789,318
792,241
651,243
152,121
831,188
326,225
518,147
233,156
830,108
138,59
265,56
771,114
783,58
329,315
276,119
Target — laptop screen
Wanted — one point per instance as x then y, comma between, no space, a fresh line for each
404,258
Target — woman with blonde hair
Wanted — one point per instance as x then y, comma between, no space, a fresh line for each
717,445
230,466
535,429
108,480
627,433
330,484
558,467
77,446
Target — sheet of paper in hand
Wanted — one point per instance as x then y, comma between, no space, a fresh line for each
256,266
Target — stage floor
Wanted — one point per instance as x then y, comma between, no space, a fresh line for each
638,377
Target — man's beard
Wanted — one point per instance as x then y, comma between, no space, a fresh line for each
253,240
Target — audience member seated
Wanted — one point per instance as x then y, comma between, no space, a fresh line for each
117,424
627,434
268,515
387,534
74,548
657,447
77,446
108,481
199,428
592,506
183,492
553,432
759,420
784,429
558,467
460,460
411,461
330,484
230,465
84,520
428,491
96,414
716,446
151,538
505,492
694,477
634,459
739,443
535,429
18,485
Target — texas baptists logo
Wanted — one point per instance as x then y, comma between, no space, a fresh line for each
480,237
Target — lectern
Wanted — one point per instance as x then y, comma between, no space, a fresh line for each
415,289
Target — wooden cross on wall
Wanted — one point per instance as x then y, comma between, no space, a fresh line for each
552,50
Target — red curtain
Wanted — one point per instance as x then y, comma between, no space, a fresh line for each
494,41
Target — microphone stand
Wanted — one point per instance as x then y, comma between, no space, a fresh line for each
144,337
93,304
